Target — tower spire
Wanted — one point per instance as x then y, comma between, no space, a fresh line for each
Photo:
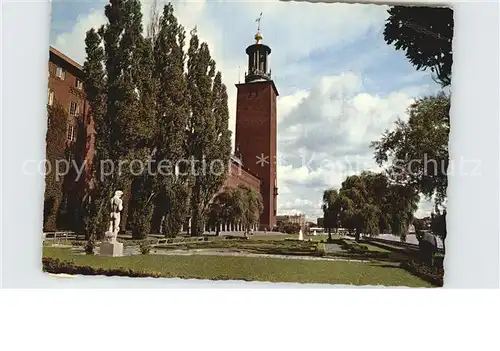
258,21
257,58
258,35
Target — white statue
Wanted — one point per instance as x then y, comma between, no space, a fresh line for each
116,206
314,233
301,235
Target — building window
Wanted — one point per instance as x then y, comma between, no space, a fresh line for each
74,109
71,135
60,73
51,97
78,84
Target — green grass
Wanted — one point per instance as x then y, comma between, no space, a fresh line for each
370,247
250,268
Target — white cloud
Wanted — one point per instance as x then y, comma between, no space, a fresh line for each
72,43
324,136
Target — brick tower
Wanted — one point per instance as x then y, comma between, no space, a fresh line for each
256,126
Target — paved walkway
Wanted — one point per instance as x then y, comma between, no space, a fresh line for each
220,252
134,250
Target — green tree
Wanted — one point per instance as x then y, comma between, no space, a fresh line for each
416,151
120,97
355,206
370,204
252,207
172,107
425,34
224,208
56,148
208,135
331,210
95,89
401,204
142,189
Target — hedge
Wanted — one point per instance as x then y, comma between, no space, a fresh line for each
54,265
433,275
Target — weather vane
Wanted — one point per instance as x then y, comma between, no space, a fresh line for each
258,21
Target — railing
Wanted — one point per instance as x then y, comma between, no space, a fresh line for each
59,235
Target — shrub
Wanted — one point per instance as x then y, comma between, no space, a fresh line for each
141,208
53,265
178,209
320,249
433,275
145,247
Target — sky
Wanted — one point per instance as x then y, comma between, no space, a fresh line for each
341,86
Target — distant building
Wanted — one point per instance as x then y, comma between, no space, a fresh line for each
299,219
310,224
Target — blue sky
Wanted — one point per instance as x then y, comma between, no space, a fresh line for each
340,84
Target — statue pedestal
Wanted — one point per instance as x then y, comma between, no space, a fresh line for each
112,249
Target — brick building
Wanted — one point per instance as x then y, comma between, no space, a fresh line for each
255,164
299,219
256,126
65,88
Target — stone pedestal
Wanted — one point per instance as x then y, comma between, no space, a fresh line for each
113,249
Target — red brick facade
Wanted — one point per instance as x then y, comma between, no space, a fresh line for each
66,88
256,126
239,175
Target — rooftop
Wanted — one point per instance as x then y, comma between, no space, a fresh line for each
66,58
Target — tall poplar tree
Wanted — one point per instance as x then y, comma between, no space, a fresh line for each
208,134
120,101
172,182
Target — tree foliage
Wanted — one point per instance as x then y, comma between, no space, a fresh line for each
370,204
225,207
172,113
425,34
239,205
252,206
208,135
56,148
416,151
148,105
120,92
331,210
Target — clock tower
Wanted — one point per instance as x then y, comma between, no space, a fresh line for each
256,126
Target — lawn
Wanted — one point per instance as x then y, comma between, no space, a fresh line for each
370,247
250,268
